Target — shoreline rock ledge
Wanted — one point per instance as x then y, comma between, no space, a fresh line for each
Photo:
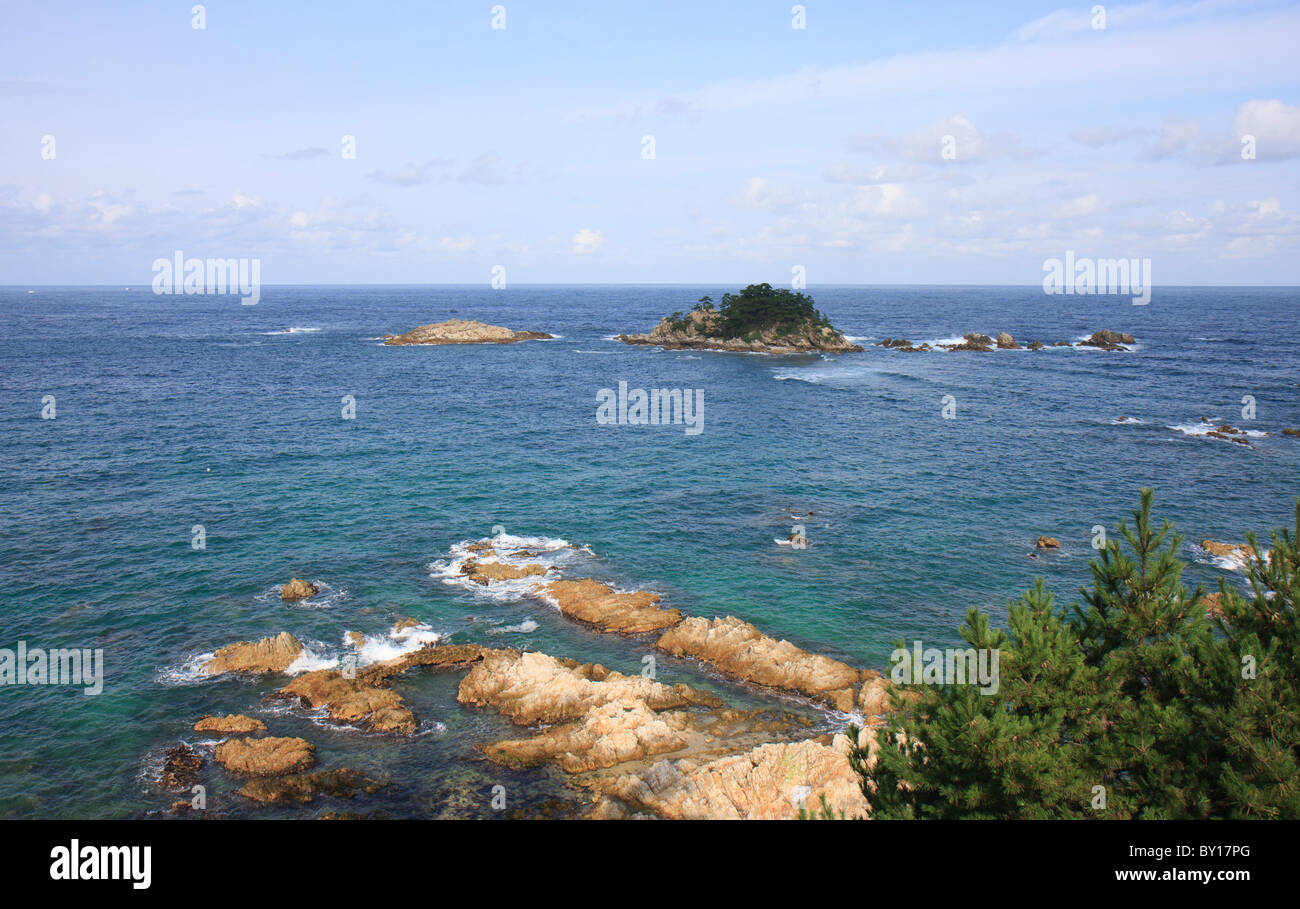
462,331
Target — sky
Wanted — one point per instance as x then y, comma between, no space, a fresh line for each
649,142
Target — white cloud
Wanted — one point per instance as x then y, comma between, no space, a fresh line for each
587,241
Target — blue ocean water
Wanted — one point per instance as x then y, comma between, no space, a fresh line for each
181,411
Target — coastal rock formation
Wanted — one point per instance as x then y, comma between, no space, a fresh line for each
485,573
267,655
298,589
362,700
739,649
1213,605
272,756
700,330
770,782
873,697
1108,340
1291,432
1036,345
1236,553
301,788
623,729
180,768
461,331
972,341
536,688
1006,342
233,724
1047,543
594,602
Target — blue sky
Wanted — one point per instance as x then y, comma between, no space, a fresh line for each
774,147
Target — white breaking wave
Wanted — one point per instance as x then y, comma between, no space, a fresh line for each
291,331
527,626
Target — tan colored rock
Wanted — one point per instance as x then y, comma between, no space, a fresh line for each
298,589
1213,605
741,650
301,788
354,639
767,783
463,331
271,756
536,688
404,624
611,733
1239,552
593,602
267,655
485,573
363,700
1006,342
232,724
1047,543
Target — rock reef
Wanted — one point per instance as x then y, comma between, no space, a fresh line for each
267,655
271,756
462,331
234,724
739,649
600,605
700,330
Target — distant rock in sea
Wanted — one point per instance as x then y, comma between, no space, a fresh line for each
462,331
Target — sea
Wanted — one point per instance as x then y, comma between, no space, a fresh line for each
167,462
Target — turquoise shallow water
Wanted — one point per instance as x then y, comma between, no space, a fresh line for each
173,412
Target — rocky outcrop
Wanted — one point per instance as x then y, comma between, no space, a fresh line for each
1047,543
1291,432
461,331
1035,345
485,573
298,589
272,756
741,650
771,782
180,768
1237,553
699,330
620,730
972,341
1006,342
362,700
600,605
301,788
536,688
1108,340
233,724
267,655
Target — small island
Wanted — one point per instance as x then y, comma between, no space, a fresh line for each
759,319
463,331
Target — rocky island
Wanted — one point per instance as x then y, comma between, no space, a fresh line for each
463,331
759,319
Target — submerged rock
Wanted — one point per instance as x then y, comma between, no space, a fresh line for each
462,331
600,605
739,649
272,756
298,589
267,655
301,788
233,724
180,768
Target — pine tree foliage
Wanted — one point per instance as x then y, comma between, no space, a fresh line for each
1128,704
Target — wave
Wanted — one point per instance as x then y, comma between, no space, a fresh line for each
527,626
291,331
553,553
